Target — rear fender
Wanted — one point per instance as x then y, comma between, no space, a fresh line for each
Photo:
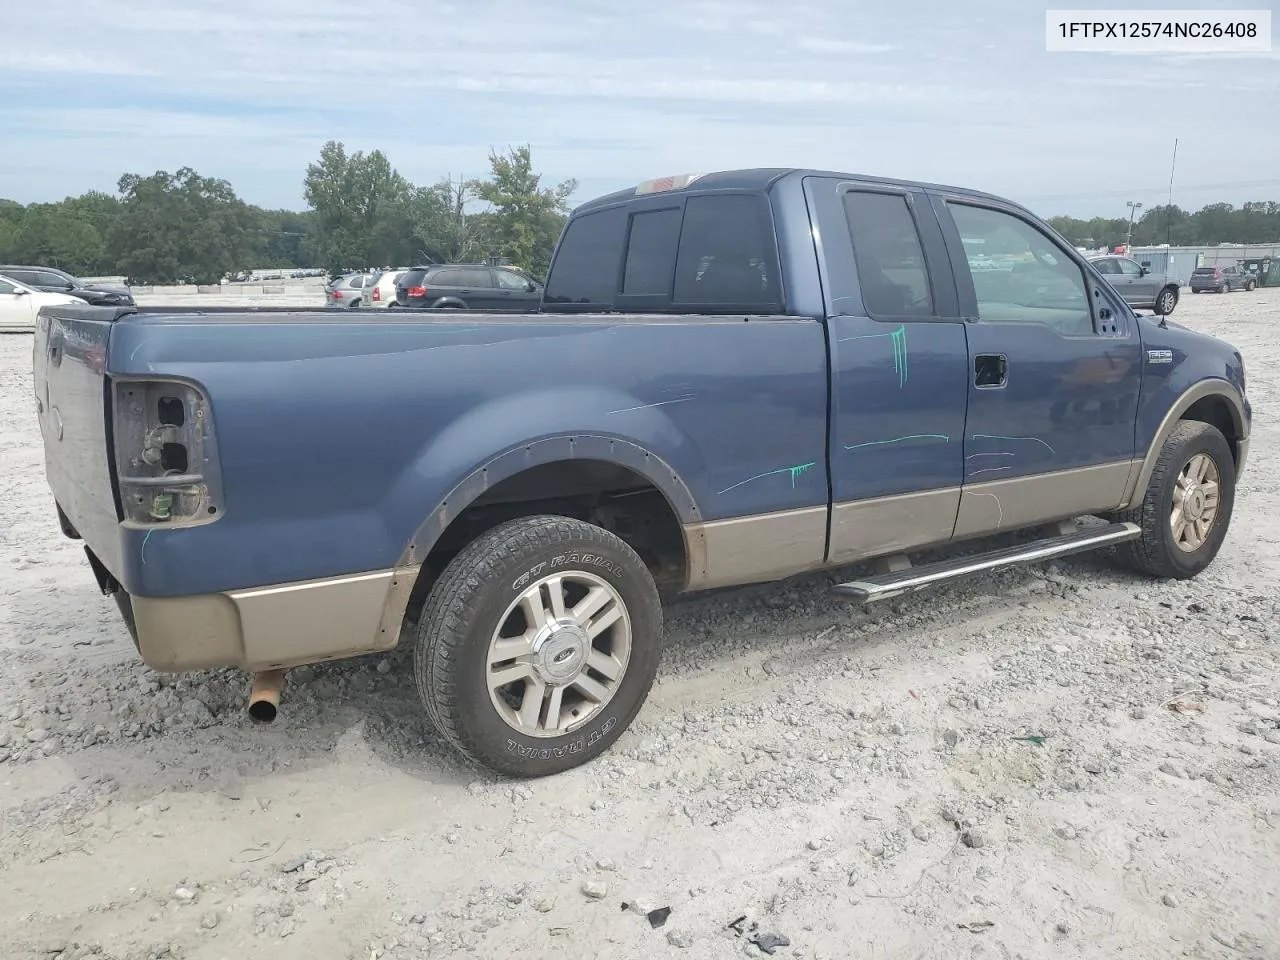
528,431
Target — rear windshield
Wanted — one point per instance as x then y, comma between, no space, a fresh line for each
1204,270
411,278
713,253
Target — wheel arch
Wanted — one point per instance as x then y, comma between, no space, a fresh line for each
1213,401
564,474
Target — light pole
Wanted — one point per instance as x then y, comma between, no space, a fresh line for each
1134,206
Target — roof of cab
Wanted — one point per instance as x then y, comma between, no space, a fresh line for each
763,178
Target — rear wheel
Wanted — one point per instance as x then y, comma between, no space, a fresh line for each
1187,506
538,645
1166,301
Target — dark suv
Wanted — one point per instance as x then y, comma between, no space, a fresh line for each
463,286
1221,279
53,280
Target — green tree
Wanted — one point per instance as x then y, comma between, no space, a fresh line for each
280,238
526,218
446,232
363,209
11,216
53,234
180,228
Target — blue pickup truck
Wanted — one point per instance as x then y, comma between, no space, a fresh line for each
733,378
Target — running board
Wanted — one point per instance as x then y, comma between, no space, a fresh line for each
892,584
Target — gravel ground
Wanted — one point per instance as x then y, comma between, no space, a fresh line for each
1062,760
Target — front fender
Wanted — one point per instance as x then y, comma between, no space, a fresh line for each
506,436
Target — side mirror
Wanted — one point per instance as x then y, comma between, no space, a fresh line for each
20,292
1145,269
531,286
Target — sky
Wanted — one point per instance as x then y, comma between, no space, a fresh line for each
611,93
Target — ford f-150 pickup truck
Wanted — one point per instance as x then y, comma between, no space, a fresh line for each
733,378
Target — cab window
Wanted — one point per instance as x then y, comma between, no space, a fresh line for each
1020,275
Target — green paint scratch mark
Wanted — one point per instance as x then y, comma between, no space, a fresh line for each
899,340
911,436
796,471
800,471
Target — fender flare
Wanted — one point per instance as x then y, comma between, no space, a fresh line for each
448,303
1209,387
516,460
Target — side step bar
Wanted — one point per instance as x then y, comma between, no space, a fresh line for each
892,584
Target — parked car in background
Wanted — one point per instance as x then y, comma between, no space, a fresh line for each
1140,288
463,286
346,292
380,291
1221,279
53,280
19,304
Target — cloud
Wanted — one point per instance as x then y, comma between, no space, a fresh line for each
608,93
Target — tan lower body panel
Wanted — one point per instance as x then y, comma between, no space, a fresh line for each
1026,501
771,546
266,628
870,528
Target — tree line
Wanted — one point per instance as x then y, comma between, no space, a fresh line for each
1255,222
186,228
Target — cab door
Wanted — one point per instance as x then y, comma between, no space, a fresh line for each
1054,369
898,361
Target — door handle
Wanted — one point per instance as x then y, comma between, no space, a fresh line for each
990,370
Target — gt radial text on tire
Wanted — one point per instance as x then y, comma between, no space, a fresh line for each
538,645
1186,510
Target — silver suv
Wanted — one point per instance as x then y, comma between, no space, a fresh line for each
1140,288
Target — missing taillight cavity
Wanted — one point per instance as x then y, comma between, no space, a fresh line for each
173,456
163,440
171,411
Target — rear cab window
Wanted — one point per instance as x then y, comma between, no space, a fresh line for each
709,253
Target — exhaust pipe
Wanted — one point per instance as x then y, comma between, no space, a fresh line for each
264,696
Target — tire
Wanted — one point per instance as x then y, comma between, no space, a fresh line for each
1156,552
1225,288
1166,301
1248,287
477,603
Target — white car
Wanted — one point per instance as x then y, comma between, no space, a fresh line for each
19,305
380,291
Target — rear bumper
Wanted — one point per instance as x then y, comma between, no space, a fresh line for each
272,627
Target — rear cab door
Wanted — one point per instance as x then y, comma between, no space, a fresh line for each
898,361
1055,366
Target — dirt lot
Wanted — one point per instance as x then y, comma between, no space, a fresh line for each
868,785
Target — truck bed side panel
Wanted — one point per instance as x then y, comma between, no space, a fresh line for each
338,440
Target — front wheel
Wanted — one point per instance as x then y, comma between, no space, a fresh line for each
1187,506
538,645
1167,300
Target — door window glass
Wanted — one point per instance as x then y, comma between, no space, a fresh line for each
890,260
1019,274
